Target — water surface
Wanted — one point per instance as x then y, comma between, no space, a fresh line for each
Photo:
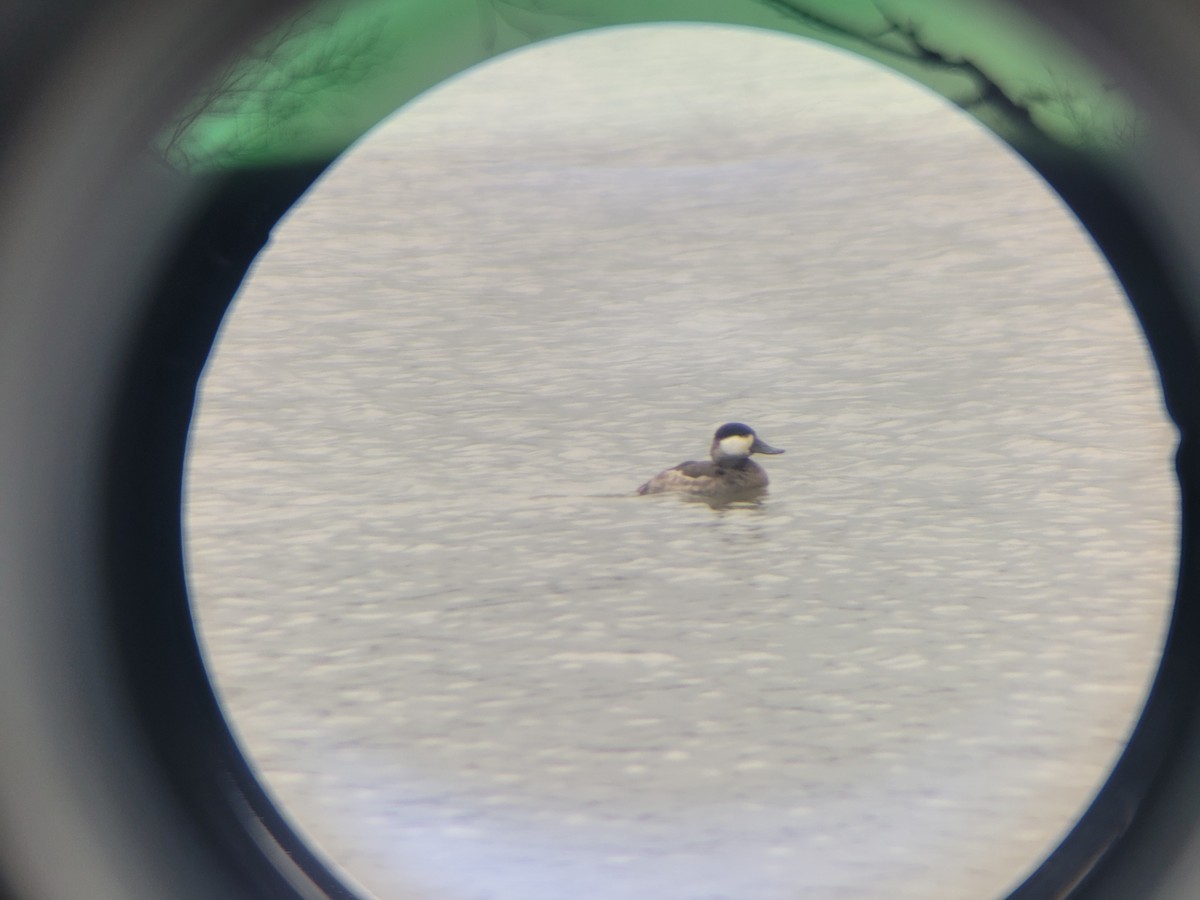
472,663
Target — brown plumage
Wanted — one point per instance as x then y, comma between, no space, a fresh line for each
731,475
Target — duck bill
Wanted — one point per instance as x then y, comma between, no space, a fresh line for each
761,446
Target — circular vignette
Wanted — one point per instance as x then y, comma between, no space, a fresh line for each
119,775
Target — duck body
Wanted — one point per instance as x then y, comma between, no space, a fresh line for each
730,475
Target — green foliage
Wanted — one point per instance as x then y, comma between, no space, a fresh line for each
322,79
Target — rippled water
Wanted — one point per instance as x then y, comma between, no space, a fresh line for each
472,663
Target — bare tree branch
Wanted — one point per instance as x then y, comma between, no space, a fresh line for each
272,84
901,40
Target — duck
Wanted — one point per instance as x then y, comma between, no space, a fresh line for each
731,475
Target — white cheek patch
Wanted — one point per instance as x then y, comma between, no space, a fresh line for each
736,445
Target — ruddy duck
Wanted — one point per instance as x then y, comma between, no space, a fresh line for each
731,475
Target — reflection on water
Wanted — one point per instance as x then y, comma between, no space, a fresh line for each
472,663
